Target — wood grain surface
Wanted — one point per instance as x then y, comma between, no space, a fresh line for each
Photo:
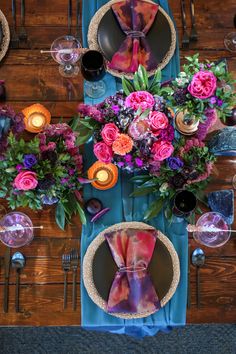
33,77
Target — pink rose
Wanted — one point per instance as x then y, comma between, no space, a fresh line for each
203,85
26,180
162,150
109,133
103,152
140,99
158,120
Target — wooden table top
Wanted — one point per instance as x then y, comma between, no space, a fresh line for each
32,77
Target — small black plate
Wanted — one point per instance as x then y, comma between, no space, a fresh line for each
160,269
110,36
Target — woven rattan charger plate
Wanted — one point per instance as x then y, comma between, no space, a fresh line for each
6,35
93,38
90,257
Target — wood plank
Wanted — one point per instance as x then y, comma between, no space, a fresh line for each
40,305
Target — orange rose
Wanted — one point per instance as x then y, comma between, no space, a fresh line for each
122,145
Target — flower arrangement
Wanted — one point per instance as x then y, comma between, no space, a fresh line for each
203,87
132,129
9,121
188,168
45,170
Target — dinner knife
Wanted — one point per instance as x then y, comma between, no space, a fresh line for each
6,283
69,16
193,34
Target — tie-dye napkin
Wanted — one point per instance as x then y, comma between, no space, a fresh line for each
132,290
135,18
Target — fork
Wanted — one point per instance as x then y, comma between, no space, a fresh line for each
66,267
14,38
74,265
193,33
23,35
185,39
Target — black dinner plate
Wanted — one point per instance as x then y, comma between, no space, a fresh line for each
110,36
160,269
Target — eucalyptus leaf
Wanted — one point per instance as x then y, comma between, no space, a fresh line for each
154,209
136,82
140,179
143,75
142,191
60,215
81,213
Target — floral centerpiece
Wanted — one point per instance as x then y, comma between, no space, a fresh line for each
202,89
132,129
45,170
188,168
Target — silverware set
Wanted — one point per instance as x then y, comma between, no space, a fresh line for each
193,33
70,262
17,262
22,38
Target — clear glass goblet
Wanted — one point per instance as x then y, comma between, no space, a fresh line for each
230,39
66,51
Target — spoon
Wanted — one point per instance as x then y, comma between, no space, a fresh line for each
198,260
17,262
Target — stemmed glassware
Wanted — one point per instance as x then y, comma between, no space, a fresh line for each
230,39
93,70
66,51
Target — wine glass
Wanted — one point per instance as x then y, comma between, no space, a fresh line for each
216,233
93,70
184,203
230,39
19,230
66,51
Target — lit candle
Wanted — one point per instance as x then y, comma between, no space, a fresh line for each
36,118
106,175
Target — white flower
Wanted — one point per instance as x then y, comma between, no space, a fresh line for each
163,188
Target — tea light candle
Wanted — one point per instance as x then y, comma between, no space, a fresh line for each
106,175
36,118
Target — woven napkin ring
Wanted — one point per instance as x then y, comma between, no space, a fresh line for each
132,269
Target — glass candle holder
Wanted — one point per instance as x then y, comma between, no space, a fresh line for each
16,238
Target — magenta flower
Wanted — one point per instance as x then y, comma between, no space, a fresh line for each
203,85
139,162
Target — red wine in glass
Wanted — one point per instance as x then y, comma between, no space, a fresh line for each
184,203
93,70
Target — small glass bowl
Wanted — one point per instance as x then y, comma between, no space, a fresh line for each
211,238
17,238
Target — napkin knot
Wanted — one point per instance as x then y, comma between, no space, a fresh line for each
135,34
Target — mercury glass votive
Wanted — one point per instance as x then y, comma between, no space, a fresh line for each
105,175
36,118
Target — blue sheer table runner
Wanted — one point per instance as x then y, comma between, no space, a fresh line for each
124,208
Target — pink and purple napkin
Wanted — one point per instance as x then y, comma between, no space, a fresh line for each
132,290
135,18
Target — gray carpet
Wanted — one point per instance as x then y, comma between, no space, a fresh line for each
194,339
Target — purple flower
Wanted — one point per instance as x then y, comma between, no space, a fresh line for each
19,167
71,171
213,100
120,164
49,200
115,108
128,158
219,102
29,160
139,162
208,65
90,111
64,180
167,134
175,163
211,117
